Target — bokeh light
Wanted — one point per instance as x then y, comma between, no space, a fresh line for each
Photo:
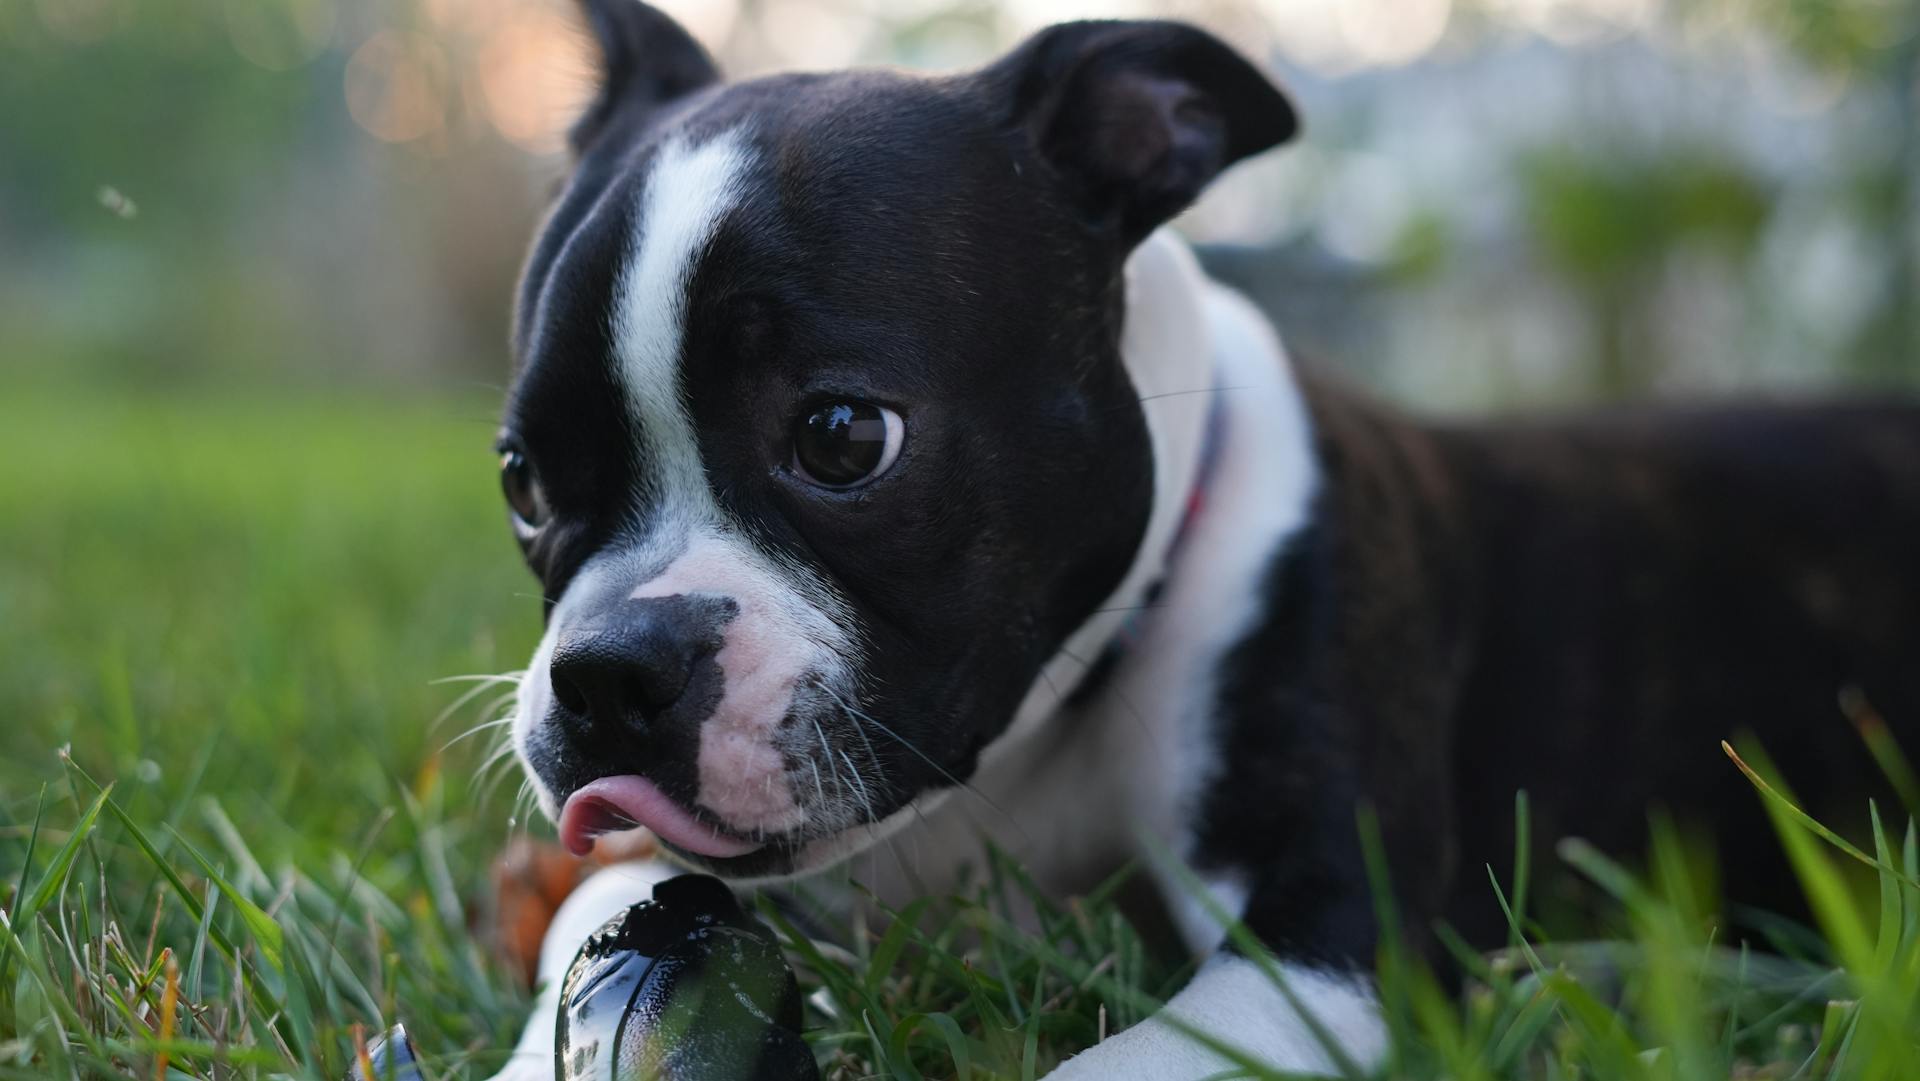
281,35
812,34
535,73
396,86
1390,31
83,21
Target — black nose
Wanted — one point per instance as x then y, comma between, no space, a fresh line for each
639,659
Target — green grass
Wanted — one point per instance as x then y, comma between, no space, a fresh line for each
230,612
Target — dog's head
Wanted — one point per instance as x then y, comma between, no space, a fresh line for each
821,441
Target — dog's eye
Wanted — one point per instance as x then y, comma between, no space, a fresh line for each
523,493
844,444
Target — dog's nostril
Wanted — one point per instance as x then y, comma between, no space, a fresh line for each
569,694
615,687
628,668
655,688
619,690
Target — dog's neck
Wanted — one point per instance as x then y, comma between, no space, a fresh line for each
1131,757
1173,372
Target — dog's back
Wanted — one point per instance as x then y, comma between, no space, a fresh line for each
1658,582
1623,590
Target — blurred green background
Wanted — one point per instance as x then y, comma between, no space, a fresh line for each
255,262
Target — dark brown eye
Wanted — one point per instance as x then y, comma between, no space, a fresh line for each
523,492
844,444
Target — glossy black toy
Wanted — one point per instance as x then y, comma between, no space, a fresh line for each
685,987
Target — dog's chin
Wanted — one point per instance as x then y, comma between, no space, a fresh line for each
828,850
796,855
774,860
810,852
729,854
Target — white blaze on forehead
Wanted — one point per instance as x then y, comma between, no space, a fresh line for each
687,192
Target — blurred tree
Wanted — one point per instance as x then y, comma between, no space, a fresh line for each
1875,43
1609,224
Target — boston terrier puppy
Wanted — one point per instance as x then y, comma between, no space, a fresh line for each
895,480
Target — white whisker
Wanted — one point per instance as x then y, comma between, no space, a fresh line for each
859,716
479,688
483,726
866,799
480,677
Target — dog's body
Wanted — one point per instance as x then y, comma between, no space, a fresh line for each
894,483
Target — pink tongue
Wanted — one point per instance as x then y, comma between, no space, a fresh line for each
612,804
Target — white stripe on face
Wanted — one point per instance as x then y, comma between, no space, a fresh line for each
689,190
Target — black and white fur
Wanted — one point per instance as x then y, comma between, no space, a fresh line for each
782,678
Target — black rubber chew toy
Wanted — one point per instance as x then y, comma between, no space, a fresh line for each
685,987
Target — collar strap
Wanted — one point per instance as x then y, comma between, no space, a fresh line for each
1132,628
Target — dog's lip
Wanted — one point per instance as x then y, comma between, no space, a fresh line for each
613,804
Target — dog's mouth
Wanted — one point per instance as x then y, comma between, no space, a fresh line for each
614,804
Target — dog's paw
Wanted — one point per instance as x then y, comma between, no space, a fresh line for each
1149,1049
1237,1003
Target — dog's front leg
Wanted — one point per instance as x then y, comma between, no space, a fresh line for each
607,894
1294,882
1235,1001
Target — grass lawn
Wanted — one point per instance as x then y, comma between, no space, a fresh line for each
230,612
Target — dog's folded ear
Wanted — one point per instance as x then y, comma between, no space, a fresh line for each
647,60
1138,117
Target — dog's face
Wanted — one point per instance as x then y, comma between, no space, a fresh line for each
821,443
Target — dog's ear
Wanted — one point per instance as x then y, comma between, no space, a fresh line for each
1138,117
647,60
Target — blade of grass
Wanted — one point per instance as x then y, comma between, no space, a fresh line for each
265,932
1785,805
33,841
956,1040
1522,864
55,876
1881,744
